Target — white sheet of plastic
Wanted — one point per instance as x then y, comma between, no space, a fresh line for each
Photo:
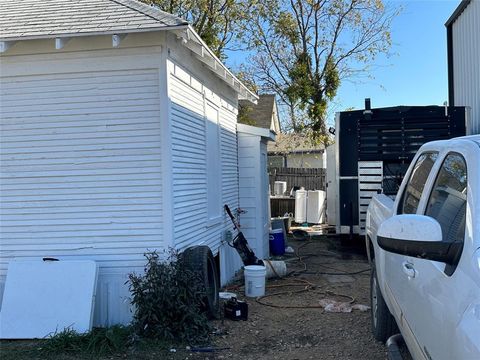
44,297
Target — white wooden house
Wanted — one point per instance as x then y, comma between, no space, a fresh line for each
296,151
118,137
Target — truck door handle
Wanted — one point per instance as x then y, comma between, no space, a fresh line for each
408,269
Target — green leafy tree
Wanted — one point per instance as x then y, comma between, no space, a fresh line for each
303,49
220,23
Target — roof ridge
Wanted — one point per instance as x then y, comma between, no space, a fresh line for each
457,12
143,8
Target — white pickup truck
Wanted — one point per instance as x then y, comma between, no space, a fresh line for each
424,248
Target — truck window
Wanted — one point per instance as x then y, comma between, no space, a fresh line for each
413,191
448,200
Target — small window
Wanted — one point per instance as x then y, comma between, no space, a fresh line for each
214,173
413,191
448,200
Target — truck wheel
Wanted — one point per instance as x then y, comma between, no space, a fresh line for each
383,323
200,260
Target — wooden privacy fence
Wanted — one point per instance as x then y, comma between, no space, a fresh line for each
310,179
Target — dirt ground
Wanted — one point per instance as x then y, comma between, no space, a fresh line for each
292,325
307,333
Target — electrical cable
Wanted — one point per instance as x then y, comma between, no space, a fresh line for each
300,258
331,273
308,287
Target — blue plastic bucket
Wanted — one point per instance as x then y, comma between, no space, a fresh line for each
277,242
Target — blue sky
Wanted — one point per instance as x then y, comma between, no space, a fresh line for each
416,74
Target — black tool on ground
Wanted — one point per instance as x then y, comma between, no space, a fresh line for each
235,309
241,244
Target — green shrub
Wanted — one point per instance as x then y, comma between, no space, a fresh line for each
168,299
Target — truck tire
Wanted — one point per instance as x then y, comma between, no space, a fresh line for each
383,323
200,260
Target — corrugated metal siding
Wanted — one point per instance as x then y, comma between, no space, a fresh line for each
81,173
189,162
466,63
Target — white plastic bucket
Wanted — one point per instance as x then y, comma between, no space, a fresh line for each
255,280
280,187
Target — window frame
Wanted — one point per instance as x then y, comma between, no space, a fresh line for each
447,269
437,175
404,189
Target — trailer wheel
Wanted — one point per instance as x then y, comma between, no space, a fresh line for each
383,323
200,259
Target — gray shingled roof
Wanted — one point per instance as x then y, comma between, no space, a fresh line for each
34,19
260,114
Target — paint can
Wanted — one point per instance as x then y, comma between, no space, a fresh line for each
255,280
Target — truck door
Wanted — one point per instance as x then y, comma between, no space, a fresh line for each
397,282
437,293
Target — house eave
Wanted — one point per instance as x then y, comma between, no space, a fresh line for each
185,32
92,33
267,134
194,42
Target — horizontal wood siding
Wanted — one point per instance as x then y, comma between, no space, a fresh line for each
81,170
189,162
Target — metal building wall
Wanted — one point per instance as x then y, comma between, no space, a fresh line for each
466,62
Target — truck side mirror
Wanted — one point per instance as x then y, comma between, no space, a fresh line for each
417,236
